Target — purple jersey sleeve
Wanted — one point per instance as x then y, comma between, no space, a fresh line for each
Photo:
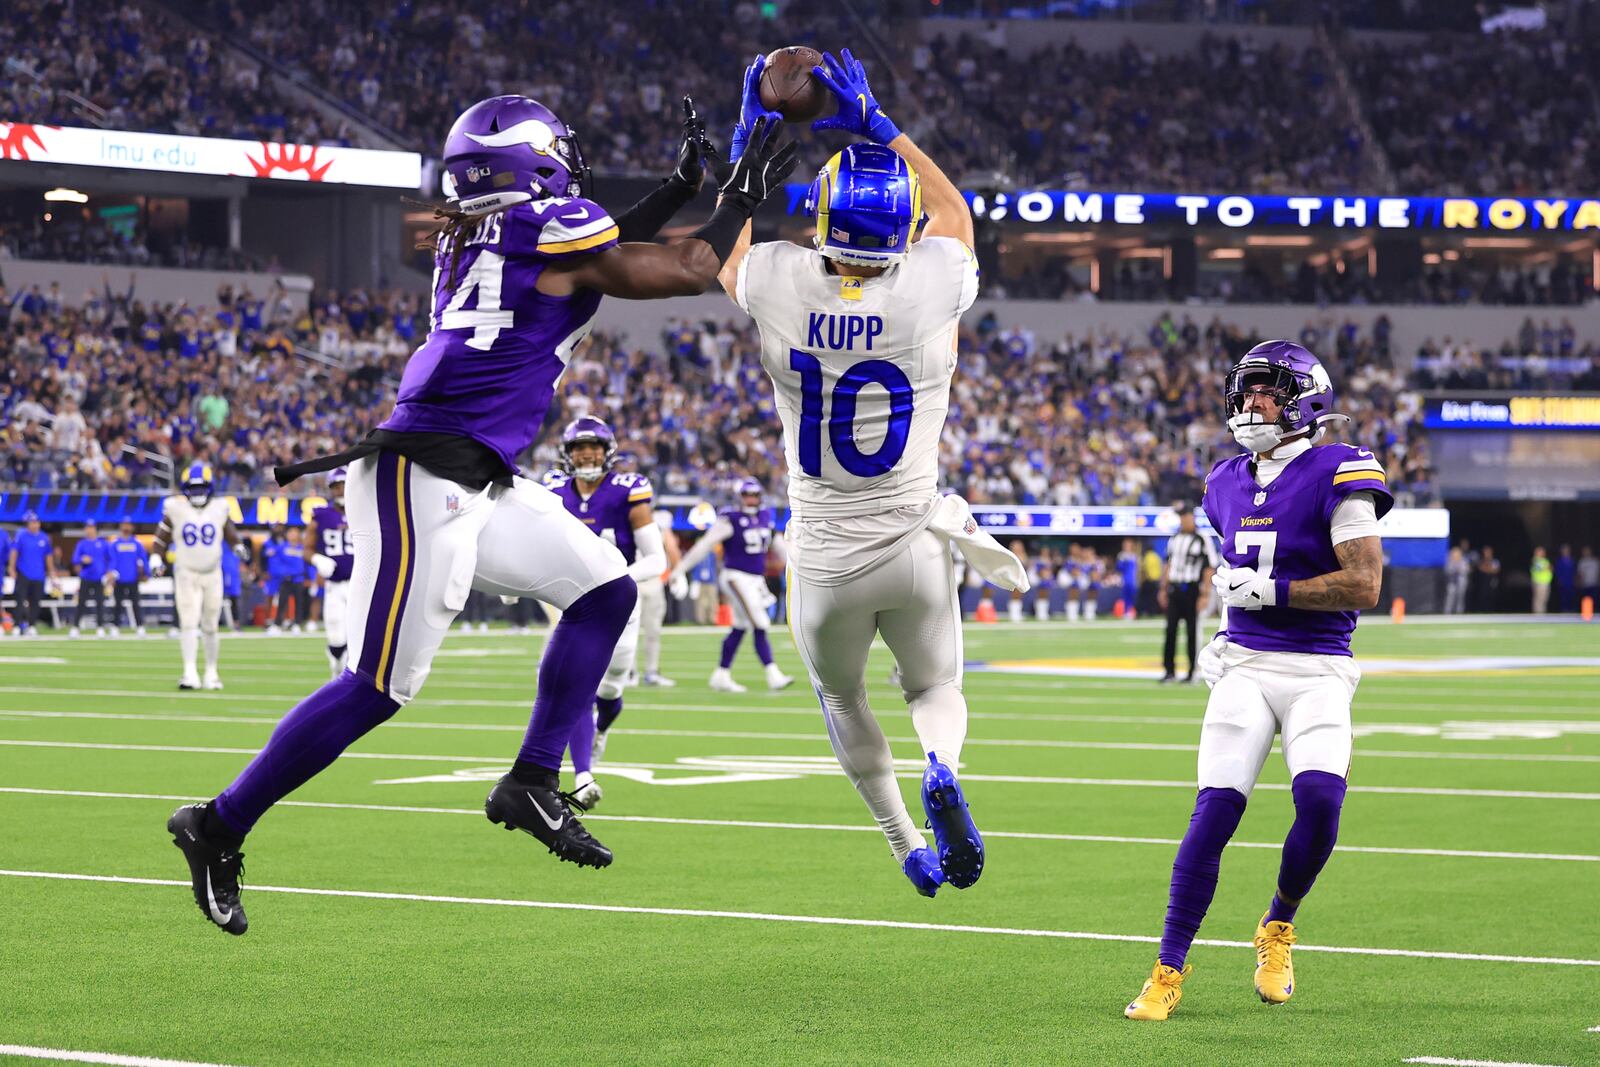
1357,471
559,229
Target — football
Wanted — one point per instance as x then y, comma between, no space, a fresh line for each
789,88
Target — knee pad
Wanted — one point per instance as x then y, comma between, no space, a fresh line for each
611,685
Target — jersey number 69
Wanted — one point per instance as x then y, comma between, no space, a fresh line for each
842,420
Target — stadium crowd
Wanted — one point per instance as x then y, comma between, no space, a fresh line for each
139,68
115,394
1477,114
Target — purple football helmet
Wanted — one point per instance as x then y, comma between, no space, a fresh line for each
1294,377
507,150
749,487
586,429
338,475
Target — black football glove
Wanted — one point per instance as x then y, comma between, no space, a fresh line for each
760,171
695,152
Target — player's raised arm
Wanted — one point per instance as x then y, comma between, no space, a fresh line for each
720,532
750,112
689,266
859,113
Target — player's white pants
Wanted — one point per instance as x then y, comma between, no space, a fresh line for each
909,598
336,612
197,595
652,614
1305,697
621,659
750,597
423,542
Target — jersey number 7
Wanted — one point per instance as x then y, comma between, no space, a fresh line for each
842,421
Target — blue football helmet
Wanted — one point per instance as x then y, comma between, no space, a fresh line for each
868,205
197,484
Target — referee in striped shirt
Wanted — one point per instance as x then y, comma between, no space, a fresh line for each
1190,561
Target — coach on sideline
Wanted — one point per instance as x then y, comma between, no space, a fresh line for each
1190,561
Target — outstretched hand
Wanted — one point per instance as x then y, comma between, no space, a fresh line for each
762,167
750,110
695,152
859,112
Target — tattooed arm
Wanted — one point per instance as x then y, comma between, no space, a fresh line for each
1352,587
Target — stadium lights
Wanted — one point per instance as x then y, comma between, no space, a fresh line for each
1496,242
66,196
1227,253
1264,241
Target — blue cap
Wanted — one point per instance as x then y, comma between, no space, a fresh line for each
30,516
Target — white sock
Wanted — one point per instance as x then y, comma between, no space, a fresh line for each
211,641
939,715
1014,608
1041,607
859,745
1072,611
1089,608
188,645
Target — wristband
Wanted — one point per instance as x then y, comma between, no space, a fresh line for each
1280,591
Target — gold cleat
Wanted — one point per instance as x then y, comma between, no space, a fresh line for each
1160,995
1274,966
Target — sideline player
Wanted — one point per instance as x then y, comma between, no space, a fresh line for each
860,343
330,551
615,506
745,534
1301,557
435,504
195,523
653,592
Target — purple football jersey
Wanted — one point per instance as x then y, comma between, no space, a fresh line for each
746,550
605,511
1284,531
496,345
332,538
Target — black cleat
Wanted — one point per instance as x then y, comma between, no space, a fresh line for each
214,869
545,812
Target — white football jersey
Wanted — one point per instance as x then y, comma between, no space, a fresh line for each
860,368
196,532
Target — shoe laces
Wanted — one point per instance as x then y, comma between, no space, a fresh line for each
230,866
1272,949
571,801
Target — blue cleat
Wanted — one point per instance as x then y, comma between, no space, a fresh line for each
922,867
960,847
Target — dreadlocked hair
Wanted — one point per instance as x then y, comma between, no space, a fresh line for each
453,226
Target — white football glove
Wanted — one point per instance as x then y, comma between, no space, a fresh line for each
324,565
1242,587
158,566
1209,661
678,586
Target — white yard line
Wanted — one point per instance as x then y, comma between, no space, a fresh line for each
70,1056
760,763
819,737
1446,1061
1166,842
816,920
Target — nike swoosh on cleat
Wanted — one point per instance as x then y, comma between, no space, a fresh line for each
536,807
218,916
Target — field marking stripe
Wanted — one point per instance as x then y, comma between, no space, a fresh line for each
1446,1061
32,1053
1067,698
814,920
765,764
753,824
757,735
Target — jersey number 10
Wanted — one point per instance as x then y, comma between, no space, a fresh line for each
842,420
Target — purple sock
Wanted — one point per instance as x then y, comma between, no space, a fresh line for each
764,648
730,645
1318,796
575,660
606,711
1194,873
581,744
309,738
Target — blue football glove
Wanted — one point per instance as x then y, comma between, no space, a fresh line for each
750,110
859,112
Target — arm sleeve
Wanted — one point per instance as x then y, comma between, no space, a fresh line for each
652,557
702,548
1354,516
557,231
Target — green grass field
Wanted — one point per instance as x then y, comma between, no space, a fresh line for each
753,915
